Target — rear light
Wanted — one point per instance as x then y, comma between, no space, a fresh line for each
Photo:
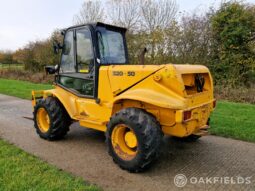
186,115
214,103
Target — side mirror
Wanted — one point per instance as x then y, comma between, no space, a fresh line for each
50,69
56,47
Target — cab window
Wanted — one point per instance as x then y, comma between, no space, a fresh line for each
67,59
111,46
85,57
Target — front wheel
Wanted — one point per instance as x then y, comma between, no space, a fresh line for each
51,120
133,138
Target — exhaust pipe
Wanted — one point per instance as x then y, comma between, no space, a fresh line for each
142,55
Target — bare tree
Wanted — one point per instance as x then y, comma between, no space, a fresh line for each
125,13
158,14
148,15
91,11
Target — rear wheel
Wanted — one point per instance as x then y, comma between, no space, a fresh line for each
133,139
51,120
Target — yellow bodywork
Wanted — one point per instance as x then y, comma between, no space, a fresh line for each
165,91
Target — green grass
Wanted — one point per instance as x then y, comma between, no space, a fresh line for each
21,171
21,89
12,66
234,120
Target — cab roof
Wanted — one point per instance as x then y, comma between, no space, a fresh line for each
98,24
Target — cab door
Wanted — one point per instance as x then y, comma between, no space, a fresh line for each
76,72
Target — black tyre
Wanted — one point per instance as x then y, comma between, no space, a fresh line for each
51,120
133,138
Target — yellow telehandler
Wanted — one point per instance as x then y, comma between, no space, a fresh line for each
135,105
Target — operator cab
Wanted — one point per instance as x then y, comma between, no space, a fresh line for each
85,48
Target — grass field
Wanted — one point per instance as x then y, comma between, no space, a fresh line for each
22,171
233,120
12,66
21,89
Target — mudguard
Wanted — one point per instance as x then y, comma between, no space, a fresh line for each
153,98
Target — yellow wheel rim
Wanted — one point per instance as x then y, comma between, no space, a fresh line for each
124,142
43,120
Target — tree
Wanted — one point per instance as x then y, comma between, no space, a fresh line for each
37,54
6,57
188,41
157,14
91,11
125,13
156,17
233,28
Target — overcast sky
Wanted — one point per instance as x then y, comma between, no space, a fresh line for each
22,21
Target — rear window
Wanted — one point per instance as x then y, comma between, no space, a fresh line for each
111,47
